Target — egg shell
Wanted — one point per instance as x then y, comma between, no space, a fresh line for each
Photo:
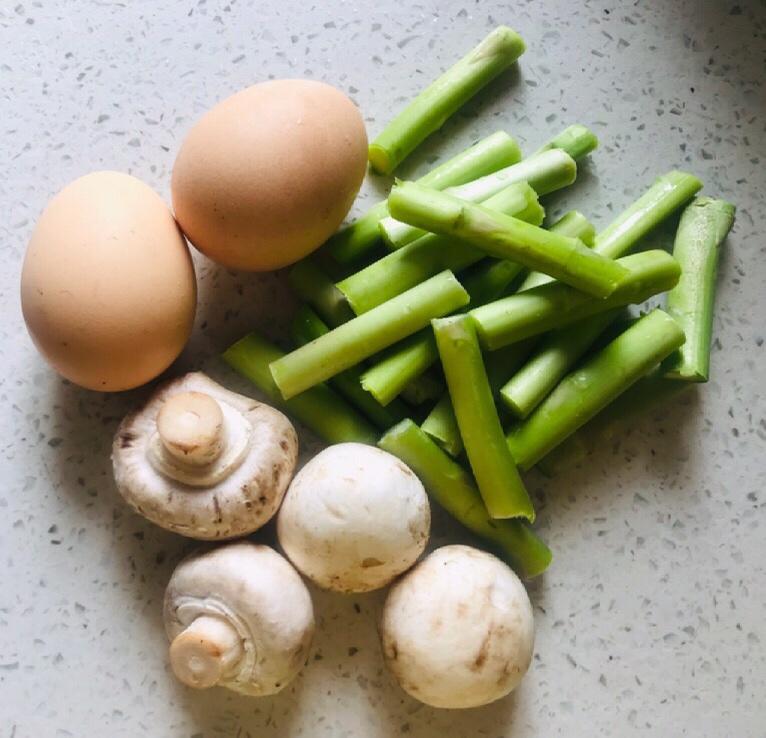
267,175
107,287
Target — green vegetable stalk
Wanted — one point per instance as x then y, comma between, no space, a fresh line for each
544,172
494,152
567,259
405,363
307,326
666,195
650,392
320,409
576,140
573,224
314,287
452,488
360,338
558,353
425,388
555,305
493,466
432,107
390,375
404,268
703,228
661,200
601,379
441,424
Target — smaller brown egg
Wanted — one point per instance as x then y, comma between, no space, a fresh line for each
268,174
107,288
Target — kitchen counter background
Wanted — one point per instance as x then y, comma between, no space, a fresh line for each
649,622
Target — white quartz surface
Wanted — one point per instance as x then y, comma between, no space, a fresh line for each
650,621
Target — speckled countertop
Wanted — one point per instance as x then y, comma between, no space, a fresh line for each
650,621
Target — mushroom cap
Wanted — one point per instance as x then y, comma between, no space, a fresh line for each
237,505
354,518
256,590
458,631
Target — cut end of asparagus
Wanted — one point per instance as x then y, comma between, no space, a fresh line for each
577,141
379,159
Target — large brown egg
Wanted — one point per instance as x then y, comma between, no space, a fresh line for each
107,289
268,174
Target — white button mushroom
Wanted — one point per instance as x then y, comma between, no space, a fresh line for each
354,518
204,462
457,631
240,617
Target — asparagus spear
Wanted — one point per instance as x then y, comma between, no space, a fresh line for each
307,326
555,305
576,140
431,108
452,487
526,389
360,338
493,467
666,195
488,155
313,286
544,172
703,227
601,379
650,392
320,409
441,424
576,225
567,259
406,362
430,254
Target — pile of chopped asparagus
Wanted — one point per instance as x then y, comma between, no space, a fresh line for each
453,329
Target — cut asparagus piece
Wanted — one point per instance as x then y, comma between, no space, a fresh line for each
703,228
494,152
544,172
555,305
314,287
320,409
567,259
307,326
392,373
441,424
591,387
573,224
576,140
404,268
431,108
559,352
493,466
360,338
453,489
666,195
405,363
649,393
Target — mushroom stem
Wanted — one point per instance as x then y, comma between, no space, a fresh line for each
202,654
190,426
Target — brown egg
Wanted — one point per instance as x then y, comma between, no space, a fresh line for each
268,174
107,289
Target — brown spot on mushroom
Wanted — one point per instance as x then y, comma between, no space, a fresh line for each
404,469
370,562
262,499
392,650
483,652
126,439
284,445
217,506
